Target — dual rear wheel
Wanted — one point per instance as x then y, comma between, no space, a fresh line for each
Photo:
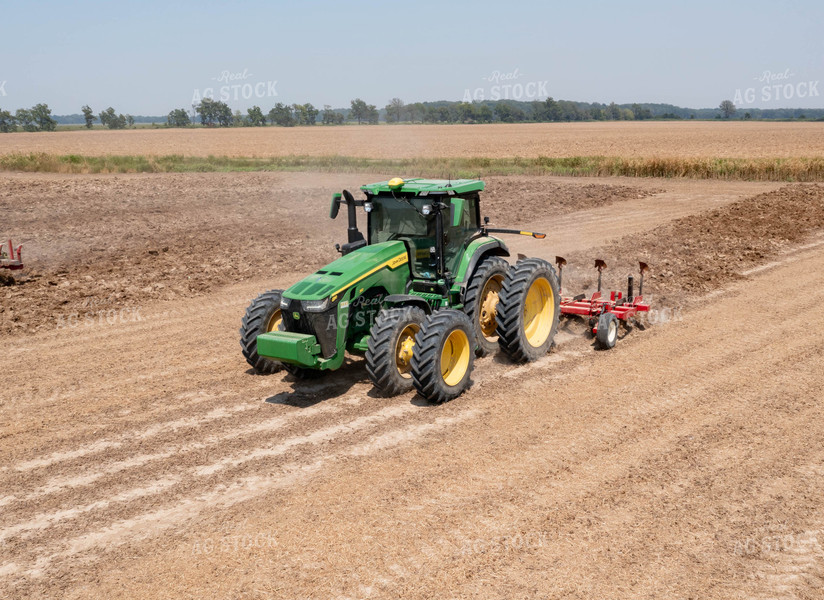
433,354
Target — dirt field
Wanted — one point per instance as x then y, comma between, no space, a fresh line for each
139,458
626,139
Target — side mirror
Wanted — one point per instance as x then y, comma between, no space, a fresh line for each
335,207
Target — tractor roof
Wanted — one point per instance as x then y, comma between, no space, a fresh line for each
425,187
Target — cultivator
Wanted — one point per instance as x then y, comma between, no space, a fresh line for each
604,312
10,259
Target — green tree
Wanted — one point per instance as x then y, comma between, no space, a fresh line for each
256,117
112,120
311,114
130,120
359,111
372,114
727,108
484,114
25,118
282,115
7,122
330,117
464,113
41,115
206,110
88,114
214,112
178,118
394,110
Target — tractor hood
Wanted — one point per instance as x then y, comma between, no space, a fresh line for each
340,275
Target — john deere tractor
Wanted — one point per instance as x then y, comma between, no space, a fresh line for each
421,294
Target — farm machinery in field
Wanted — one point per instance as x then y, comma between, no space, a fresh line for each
604,312
423,292
10,257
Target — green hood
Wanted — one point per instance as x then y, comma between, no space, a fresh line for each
340,275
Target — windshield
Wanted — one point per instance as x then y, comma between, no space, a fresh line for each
395,219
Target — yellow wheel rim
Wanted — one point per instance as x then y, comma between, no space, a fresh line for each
489,306
403,349
455,357
539,312
274,321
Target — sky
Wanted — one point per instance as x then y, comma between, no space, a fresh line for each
148,57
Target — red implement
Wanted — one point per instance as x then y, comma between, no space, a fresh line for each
10,258
597,306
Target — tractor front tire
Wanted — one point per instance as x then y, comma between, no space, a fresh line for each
444,356
607,333
390,350
528,310
481,302
262,316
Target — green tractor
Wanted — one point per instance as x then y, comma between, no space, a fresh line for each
424,292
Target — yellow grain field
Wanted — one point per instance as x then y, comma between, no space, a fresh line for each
624,139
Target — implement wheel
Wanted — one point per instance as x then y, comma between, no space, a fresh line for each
444,356
390,350
607,333
528,310
481,302
262,316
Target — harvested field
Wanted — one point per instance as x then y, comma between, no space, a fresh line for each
681,140
141,458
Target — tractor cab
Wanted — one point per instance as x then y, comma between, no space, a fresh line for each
435,219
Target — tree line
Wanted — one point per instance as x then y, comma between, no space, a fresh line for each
39,118
214,113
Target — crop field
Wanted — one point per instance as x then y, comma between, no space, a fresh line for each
141,458
670,139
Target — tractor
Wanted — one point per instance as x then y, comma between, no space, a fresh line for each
421,294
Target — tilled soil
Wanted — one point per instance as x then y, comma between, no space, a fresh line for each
142,459
99,245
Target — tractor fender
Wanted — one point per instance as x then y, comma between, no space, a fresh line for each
407,300
492,247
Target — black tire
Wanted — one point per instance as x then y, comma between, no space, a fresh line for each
523,337
444,356
607,333
481,301
262,316
388,356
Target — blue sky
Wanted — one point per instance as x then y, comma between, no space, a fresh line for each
150,57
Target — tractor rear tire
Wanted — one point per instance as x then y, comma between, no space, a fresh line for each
262,316
390,350
481,302
607,333
444,356
528,310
